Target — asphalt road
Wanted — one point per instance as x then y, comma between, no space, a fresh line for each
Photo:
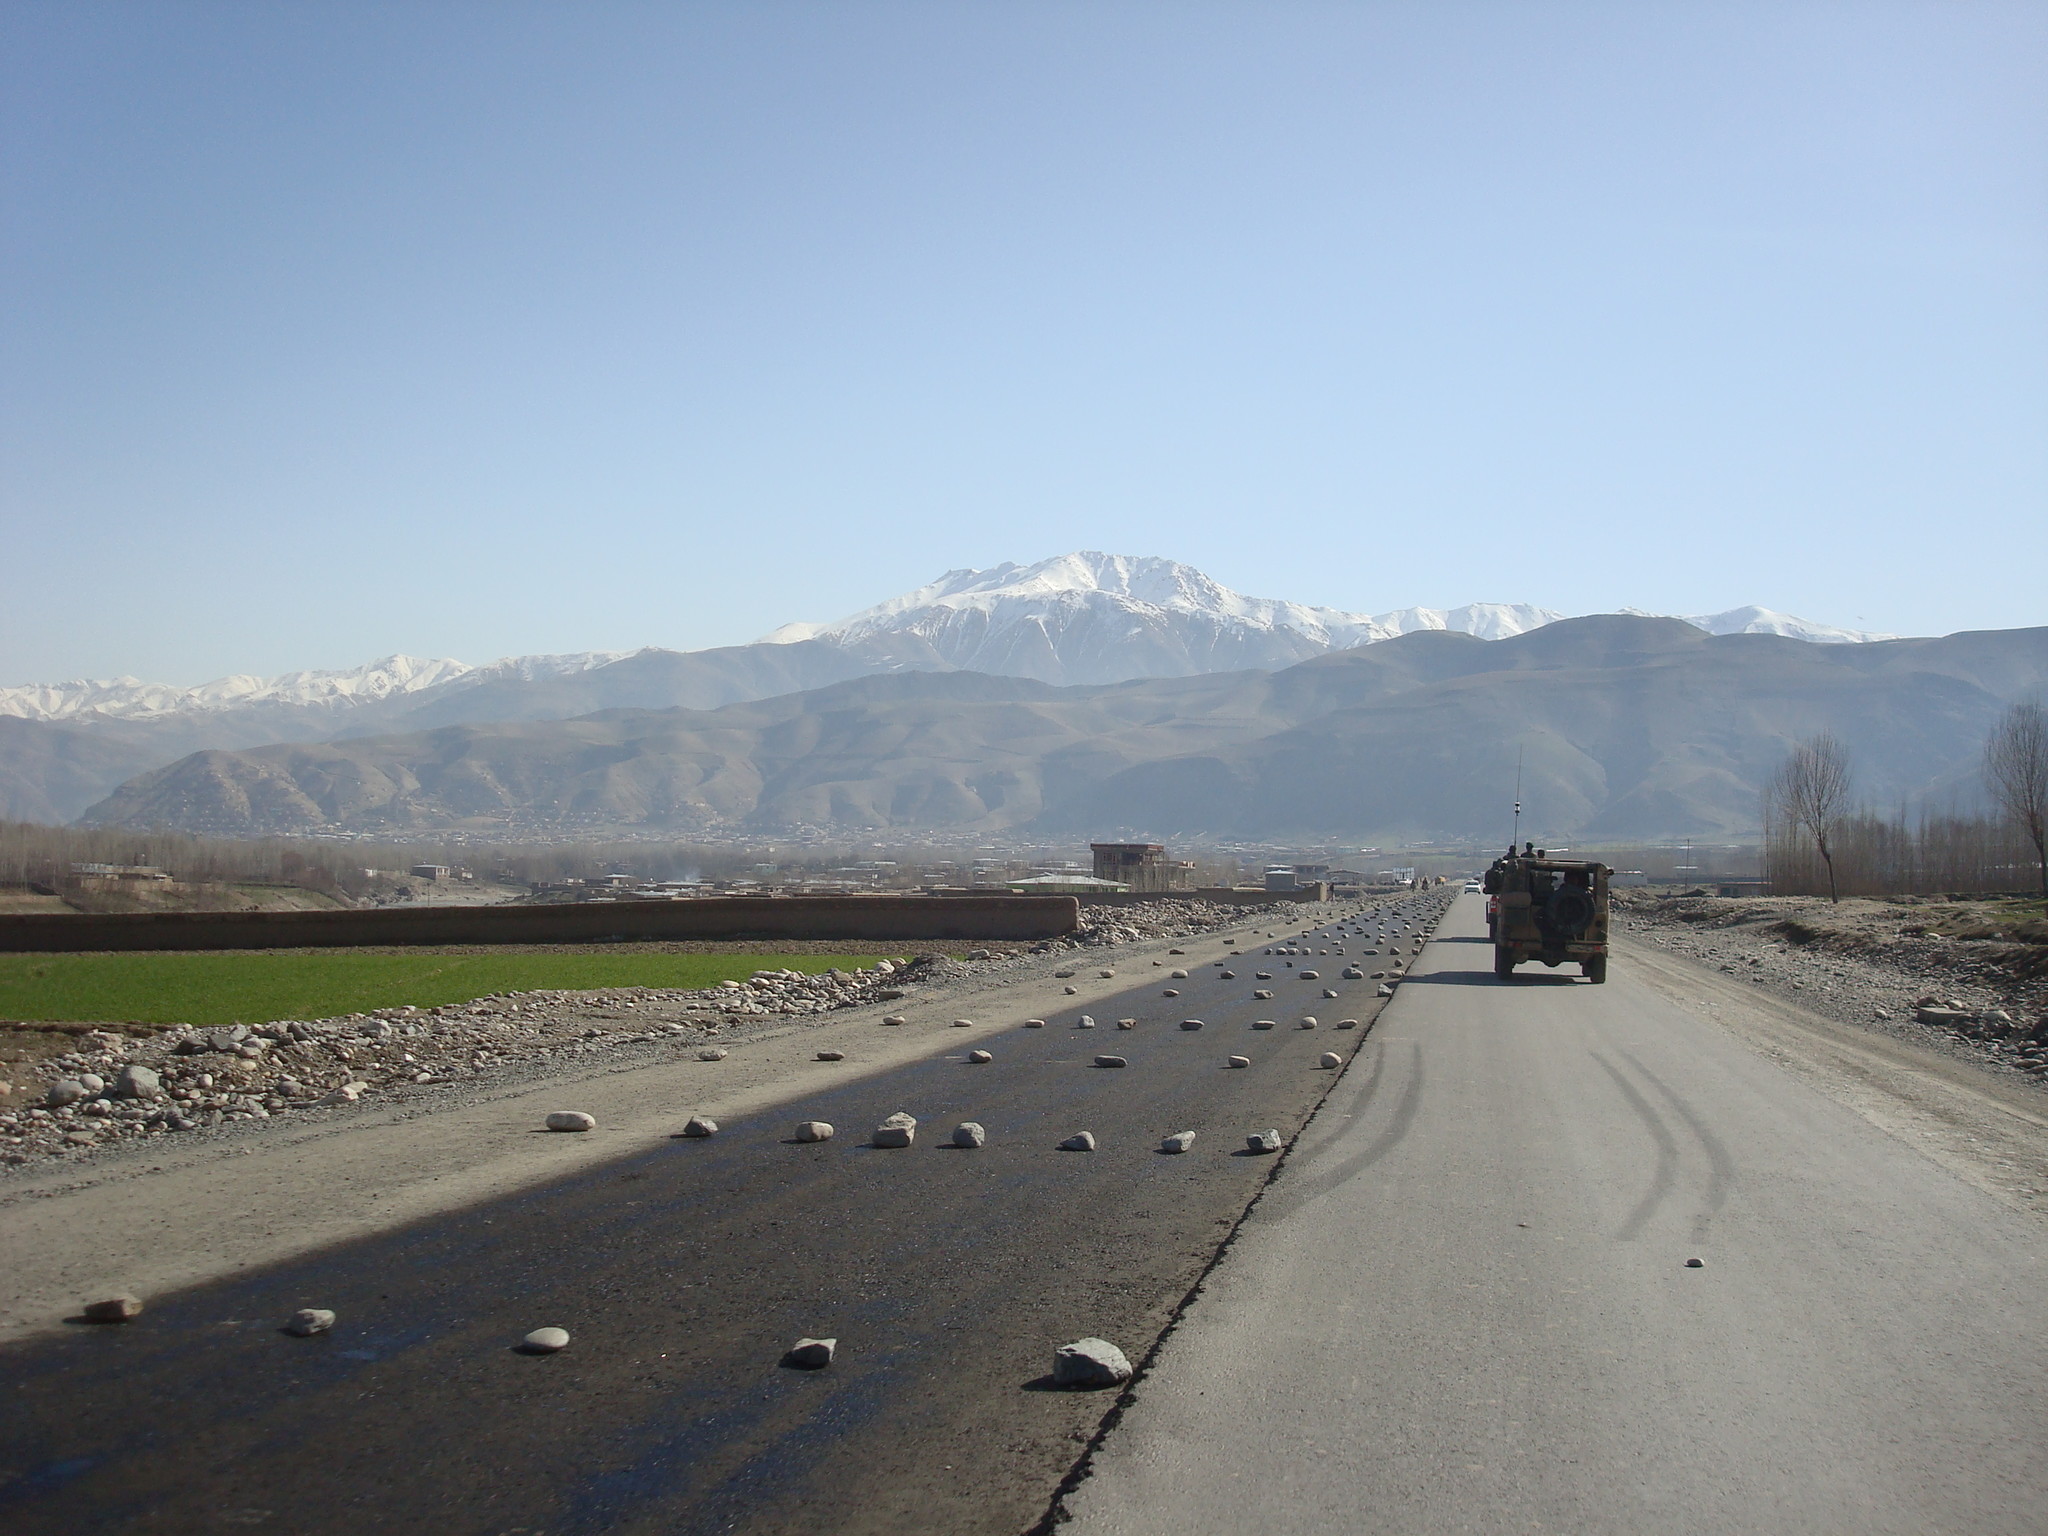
682,1272
1466,1305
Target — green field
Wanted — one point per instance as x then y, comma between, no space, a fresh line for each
257,986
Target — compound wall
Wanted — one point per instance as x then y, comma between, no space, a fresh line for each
881,918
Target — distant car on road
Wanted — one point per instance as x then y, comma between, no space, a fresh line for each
1472,887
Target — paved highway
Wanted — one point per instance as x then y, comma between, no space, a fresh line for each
1467,1306
683,1271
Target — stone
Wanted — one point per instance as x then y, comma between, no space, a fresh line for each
968,1133
979,1057
1105,975
1262,1141
1262,975
895,1018
1090,1363
545,1341
1353,973
114,1309
1190,1023
899,1130
1034,1023
135,1081
713,1053
1263,1024
1071,991
1240,1061
700,1125
1695,1263
810,1354
1308,1021
831,1055
1176,975
1063,975
1329,1060
92,1082
813,1130
1229,976
1347,1023
1311,975
1262,997
1179,1141
1111,1061
1385,990
66,1090
1329,992
1126,1023
1081,1141
308,1321
963,1023
1171,992
571,1120
1086,1021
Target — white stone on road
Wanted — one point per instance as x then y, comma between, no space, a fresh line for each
1080,1141
308,1321
968,1133
814,1130
1179,1141
1090,1363
545,1341
571,1120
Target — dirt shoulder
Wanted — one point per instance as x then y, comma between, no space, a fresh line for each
1964,980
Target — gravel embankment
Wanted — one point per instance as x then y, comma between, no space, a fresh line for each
1887,966
116,1086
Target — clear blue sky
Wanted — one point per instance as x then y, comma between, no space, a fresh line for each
332,330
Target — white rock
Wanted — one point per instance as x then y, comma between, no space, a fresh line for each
308,1321
1105,975
1081,1141
1177,976
1328,992
1179,1141
135,1081
963,1023
700,1125
1240,1061
713,1053
980,1056
92,1082
1308,1021
1347,1023
1111,1061
1126,1023
1089,1363
1071,991
1329,1059
347,1093
813,1130
1263,1141
1034,1023
1170,992
66,1090
1190,1023
1311,975
895,1018
1385,990
831,1055
1263,1024
899,1130
1262,997
571,1120
1062,975
545,1341
811,1354
968,1133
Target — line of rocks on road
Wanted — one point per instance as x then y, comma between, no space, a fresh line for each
116,1087
1983,1000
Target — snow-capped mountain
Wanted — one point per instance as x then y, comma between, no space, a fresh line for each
128,698
1768,621
1089,617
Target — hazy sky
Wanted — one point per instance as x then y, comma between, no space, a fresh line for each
468,330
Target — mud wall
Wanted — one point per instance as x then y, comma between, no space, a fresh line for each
881,918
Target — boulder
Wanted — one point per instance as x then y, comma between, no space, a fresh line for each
1179,1141
831,1055
895,1018
113,1309
979,1057
1034,1023
968,1133
1089,1363
1262,997
1190,1023
1262,1141
1080,1141
1329,1060
571,1120
963,1023
135,1081
699,1126
1111,1061
813,1130
899,1130
545,1341
66,1090
308,1321
1347,1023
713,1053
1240,1061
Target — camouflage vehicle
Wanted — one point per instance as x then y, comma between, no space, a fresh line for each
1553,910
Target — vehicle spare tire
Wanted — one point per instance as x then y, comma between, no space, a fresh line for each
1569,910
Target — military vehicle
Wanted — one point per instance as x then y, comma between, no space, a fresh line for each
1553,910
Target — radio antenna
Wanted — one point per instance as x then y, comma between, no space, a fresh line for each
1516,841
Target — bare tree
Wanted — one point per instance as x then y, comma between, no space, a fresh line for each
1811,791
2016,768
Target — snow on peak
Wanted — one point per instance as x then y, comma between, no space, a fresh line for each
129,698
1753,620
